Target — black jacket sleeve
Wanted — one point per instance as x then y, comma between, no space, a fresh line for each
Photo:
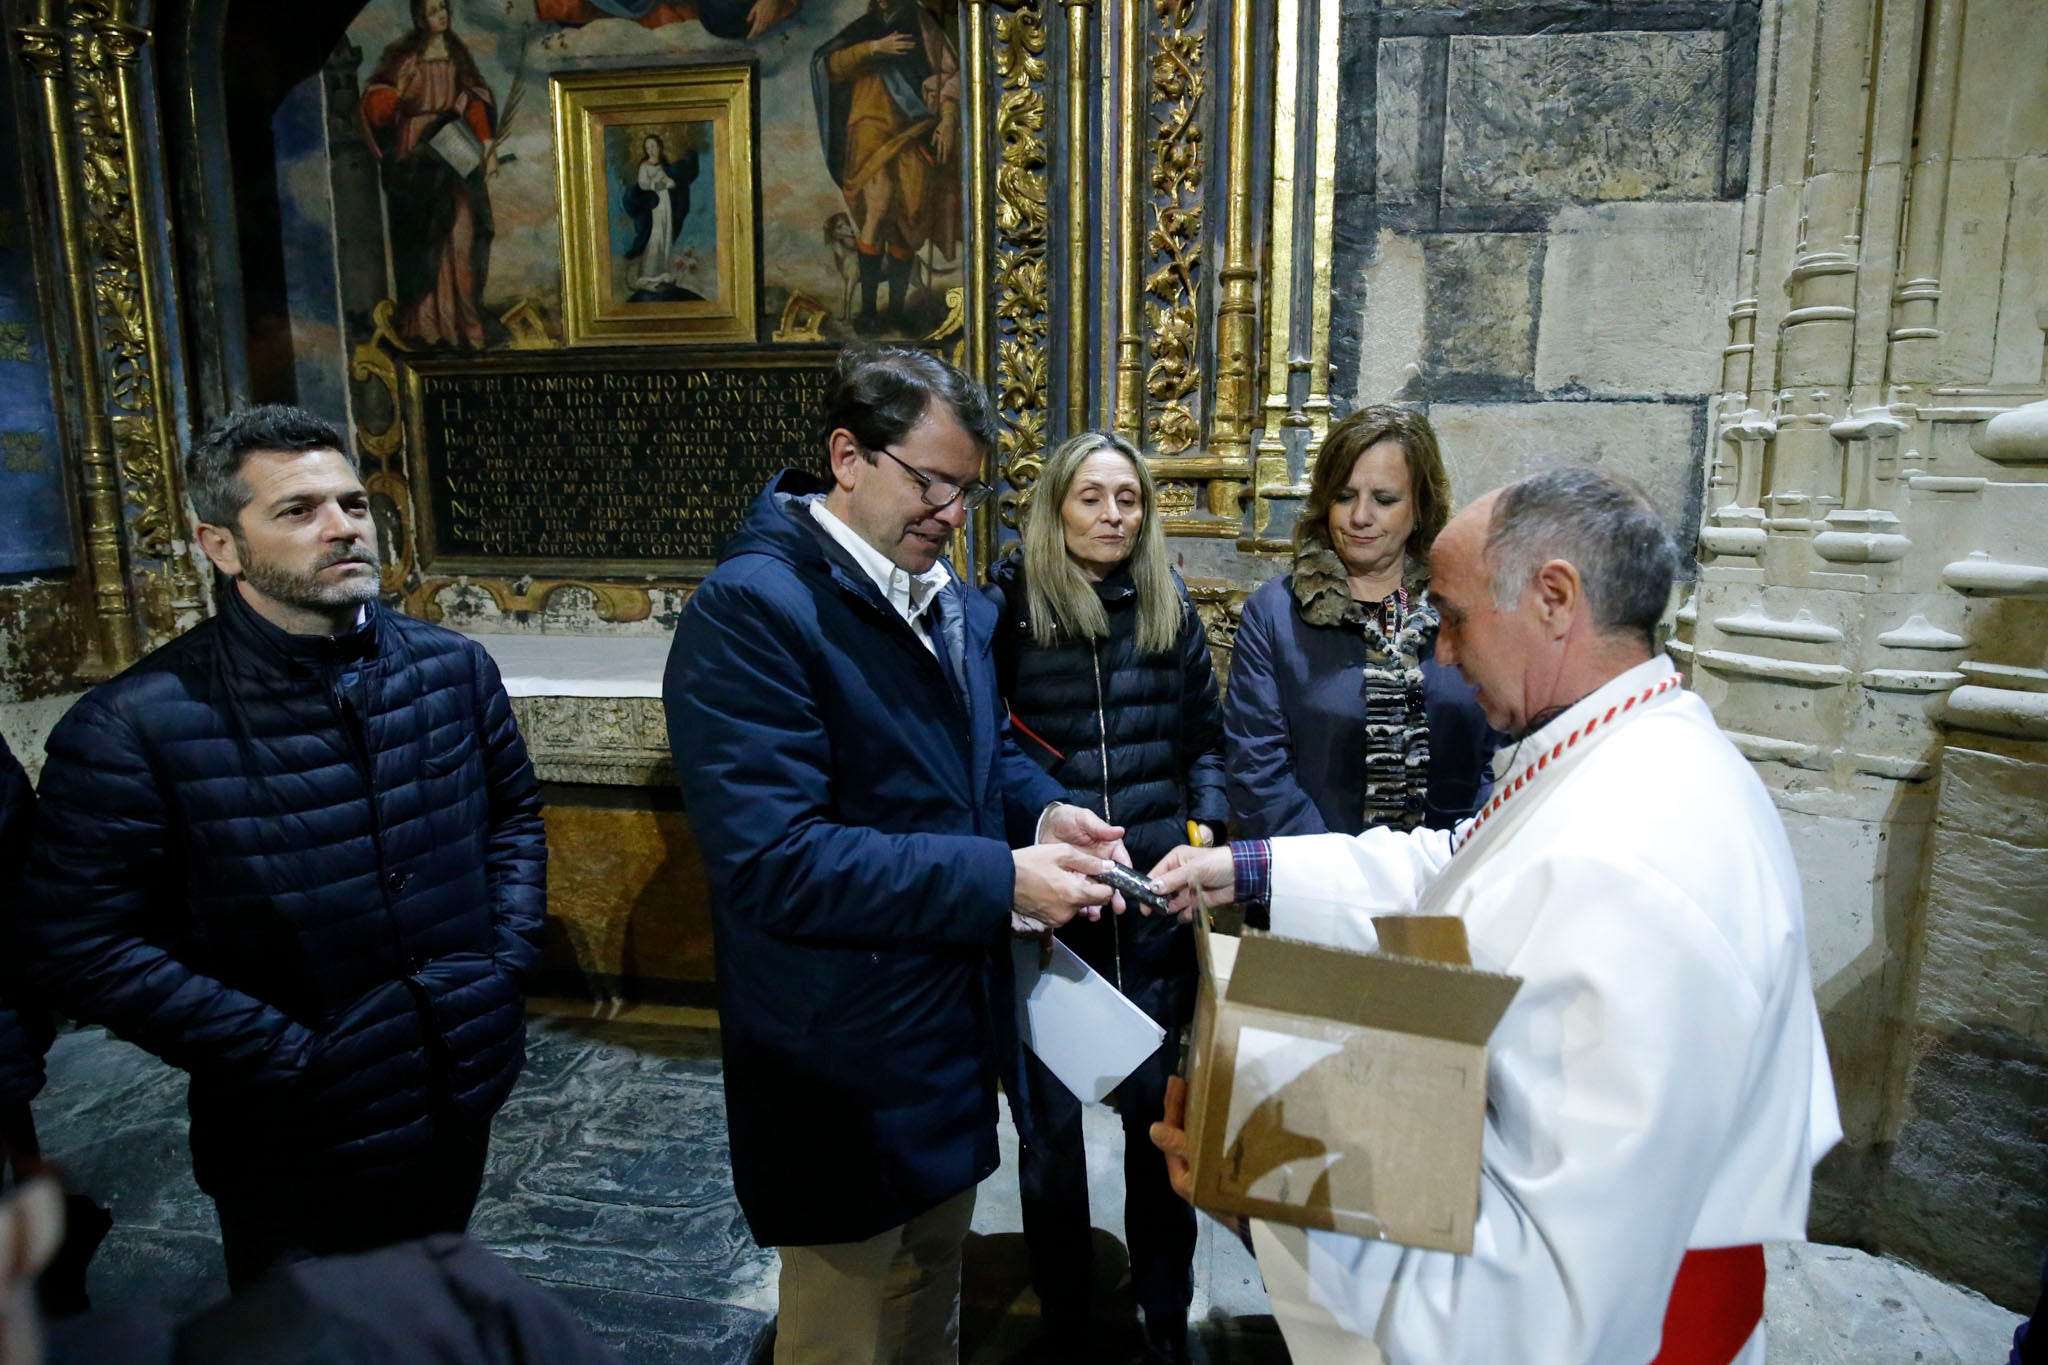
516,859
98,916
1201,726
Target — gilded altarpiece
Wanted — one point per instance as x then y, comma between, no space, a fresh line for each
114,344
1145,188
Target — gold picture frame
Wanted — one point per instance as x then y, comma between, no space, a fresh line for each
644,258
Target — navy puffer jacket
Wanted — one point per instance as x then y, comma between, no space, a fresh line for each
309,872
1156,717
24,1027
1146,751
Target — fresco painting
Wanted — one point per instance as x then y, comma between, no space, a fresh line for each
857,160
35,511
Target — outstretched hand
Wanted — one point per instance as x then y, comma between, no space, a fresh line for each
766,14
1189,876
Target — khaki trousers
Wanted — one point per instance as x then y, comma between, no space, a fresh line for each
891,1300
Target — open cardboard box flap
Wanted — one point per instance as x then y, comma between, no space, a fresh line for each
1344,1090
1416,993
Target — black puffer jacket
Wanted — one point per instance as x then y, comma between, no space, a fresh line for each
309,872
24,1027
1157,721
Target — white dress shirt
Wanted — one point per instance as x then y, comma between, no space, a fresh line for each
911,594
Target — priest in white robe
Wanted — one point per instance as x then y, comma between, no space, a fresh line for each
1658,1091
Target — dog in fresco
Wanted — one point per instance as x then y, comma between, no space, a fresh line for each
844,240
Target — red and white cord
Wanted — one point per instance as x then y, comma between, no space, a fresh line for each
1507,789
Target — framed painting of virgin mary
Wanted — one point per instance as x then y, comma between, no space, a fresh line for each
656,183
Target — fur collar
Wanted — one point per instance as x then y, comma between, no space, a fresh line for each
1322,592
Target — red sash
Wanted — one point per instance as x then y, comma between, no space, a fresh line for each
1715,1306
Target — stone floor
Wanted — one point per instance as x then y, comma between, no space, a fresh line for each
609,1183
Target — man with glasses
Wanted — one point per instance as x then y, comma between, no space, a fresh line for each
845,761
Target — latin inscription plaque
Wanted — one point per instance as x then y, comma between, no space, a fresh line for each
619,463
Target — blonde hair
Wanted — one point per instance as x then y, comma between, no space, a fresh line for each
1058,595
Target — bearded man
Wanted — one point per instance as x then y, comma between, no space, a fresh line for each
297,853
1657,1092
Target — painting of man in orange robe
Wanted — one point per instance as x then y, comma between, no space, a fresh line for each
887,90
429,117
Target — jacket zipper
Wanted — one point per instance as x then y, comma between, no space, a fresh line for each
359,743
439,1064
1116,927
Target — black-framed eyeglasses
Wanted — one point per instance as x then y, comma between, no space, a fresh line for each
939,495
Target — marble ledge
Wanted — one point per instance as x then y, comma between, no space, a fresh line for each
1773,669
589,706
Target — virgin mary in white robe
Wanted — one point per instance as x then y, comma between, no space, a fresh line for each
1659,1083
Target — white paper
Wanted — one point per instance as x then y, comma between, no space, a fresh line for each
1082,1027
457,145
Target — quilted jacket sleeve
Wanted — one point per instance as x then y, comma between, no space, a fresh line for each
98,921
516,860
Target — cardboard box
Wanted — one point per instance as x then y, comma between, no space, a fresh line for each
1342,1090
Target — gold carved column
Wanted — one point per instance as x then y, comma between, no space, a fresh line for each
85,57
1205,342
1022,324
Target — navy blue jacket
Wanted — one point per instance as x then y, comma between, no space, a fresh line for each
856,820
311,873
1294,727
24,1027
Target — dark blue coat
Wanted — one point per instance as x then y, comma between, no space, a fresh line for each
24,1026
311,873
1294,727
856,821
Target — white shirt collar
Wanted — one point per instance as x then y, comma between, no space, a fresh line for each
1610,693
909,593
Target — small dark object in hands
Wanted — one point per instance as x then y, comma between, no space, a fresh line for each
1134,887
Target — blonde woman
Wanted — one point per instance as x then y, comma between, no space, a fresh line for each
1106,670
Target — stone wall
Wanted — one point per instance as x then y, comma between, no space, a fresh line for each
1869,624
1537,227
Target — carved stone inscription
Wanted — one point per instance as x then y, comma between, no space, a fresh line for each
600,463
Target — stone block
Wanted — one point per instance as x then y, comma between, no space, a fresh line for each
1967,1197
1558,117
1969,1175
2004,104
2018,357
1391,331
1972,257
1401,119
1481,321
1987,933
1487,444
1635,298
